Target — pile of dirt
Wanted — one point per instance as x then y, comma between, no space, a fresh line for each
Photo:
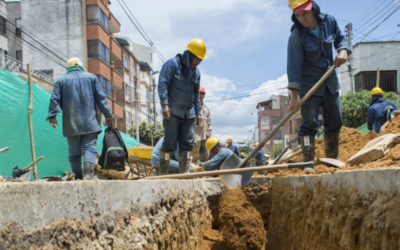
242,226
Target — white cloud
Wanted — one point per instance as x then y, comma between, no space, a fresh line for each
237,117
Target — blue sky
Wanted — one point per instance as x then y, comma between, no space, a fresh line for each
246,42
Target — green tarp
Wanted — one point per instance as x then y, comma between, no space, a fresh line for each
363,128
14,130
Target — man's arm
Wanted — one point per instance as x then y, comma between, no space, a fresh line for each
101,100
166,74
294,68
55,105
370,118
214,163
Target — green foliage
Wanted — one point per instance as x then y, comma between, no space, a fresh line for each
245,149
147,132
276,150
355,106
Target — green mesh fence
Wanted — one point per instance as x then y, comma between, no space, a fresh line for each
14,130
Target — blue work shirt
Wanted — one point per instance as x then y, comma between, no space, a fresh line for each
260,158
155,155
216,161
76,95
376,112
310,56
178,86
235,150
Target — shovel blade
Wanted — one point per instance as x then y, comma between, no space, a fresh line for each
234,180
331,162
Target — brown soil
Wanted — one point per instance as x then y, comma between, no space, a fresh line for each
351,141
238,224
325,218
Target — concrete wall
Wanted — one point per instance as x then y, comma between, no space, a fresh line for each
59,28
368,57
14,42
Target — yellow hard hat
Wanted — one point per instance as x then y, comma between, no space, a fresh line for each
74,61
198,48
211,142
242,154
293,4
376,91
256,144
229,139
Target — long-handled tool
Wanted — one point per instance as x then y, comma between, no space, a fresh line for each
3,149
230,175
228,163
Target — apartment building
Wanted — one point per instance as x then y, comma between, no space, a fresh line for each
270,113
3,33
54,31
131,76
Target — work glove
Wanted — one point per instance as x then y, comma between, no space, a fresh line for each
198,169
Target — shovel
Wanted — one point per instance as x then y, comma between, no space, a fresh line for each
227,164
238,180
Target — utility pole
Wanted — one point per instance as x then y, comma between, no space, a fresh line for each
137,112
349,28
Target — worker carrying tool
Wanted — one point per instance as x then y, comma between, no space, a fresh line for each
218,154
76,94
259,157
379,110
178,89
202,131
309,57
233,147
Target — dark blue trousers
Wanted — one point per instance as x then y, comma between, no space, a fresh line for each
331,110
178,130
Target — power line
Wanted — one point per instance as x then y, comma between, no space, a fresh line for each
386,18
368,12
140,29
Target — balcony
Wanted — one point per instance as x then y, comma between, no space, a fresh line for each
96,32
114,25
116,53
116,79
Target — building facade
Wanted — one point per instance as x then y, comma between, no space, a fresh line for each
366,58
83,29
270,113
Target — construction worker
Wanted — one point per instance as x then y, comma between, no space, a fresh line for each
243,155
218,154
202,131
379,110
259,156
233,147
178,89
76,94
309,57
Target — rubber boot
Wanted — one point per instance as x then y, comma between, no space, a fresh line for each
184,161
88,170
76,166
308,150
331,145
164,163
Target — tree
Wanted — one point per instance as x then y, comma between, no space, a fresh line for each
355,106
147,132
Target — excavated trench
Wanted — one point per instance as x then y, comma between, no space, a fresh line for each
343,210
354,208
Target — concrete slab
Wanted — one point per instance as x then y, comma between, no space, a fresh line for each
33,205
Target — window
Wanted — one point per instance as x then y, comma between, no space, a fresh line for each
106,85
18,55
127,92
134,69
2,26
367,80
265,122
128,119
126,65
102,19
18,27
96,49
